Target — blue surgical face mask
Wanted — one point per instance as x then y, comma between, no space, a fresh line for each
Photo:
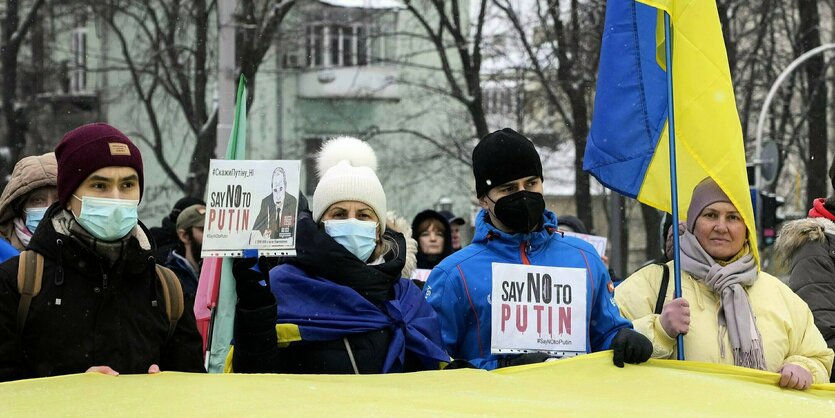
107,219
358,237
34,217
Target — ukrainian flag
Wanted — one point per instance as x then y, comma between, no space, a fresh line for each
627,148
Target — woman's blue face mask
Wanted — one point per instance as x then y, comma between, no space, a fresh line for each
34,217
358,237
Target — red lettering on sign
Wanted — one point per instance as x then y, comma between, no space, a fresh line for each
538,309
521,318
505,314
212,216
565,319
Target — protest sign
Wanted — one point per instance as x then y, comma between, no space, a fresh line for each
421,274
251,206
538,309
598,242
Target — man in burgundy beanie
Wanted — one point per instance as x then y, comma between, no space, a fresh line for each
102,300
88,148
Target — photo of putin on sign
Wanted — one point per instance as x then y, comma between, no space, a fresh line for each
277,217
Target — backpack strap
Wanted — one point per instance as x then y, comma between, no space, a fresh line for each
172,292
29,278
662,293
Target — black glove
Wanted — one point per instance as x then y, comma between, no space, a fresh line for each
631,347
251,293
520,359
459,364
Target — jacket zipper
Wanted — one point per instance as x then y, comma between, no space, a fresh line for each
522,251
104,281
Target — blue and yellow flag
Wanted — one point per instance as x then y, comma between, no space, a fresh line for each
316,309
627,148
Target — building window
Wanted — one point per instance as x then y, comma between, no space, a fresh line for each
78,50
339,45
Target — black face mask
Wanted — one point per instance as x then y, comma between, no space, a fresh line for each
521,211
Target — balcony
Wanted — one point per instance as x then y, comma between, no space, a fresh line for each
358,82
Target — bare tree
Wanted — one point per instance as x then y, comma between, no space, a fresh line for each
563,49
458,43
168,55
259,22
816,94
15,30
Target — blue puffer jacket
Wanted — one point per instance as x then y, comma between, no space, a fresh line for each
7,251
459,287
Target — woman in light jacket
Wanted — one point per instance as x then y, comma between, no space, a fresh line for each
730,312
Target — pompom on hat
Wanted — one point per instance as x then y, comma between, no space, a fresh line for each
346,168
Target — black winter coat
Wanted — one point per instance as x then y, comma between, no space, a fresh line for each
809,246
256,347
87,314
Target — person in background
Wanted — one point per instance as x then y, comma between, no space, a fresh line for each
807,248
730,311
572,223
341,306
433,235
185,260
514,227
101,306
31,190
165,237
455,224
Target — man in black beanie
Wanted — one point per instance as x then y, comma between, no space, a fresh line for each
514,227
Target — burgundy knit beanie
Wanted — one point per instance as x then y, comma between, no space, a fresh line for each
88,148
705,194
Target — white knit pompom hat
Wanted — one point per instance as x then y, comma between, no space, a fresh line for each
346,169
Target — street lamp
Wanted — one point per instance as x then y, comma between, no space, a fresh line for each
758,159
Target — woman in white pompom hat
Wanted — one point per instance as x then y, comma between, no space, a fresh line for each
342,305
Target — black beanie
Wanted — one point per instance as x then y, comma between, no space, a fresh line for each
503,156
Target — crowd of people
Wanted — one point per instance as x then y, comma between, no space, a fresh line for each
85,286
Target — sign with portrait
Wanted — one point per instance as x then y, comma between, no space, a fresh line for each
538,309
251,205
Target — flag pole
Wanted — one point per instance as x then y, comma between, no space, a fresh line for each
668,53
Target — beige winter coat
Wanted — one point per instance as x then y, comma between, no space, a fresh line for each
29,173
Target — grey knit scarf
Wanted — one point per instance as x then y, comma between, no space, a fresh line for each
735,314
64,223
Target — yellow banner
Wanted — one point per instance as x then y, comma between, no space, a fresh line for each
583,386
